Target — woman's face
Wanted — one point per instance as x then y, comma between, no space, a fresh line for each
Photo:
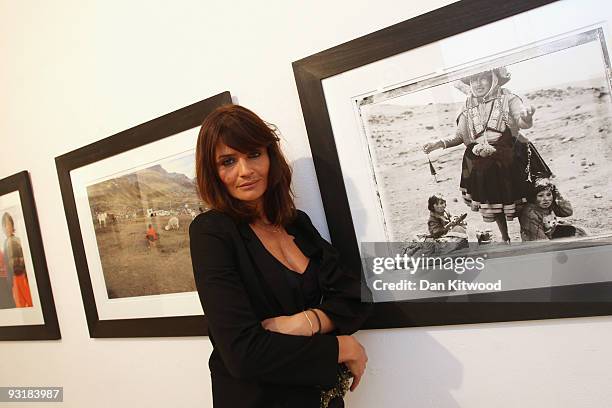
8,228
544,198
481,84
439,207
245,175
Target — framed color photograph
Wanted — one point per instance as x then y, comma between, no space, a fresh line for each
129,200
472,129
27,310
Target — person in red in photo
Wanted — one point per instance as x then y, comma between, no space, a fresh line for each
15,264
151,236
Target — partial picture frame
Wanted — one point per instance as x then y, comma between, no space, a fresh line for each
129,200
27,309
372,104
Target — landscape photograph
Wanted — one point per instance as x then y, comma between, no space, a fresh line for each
141,221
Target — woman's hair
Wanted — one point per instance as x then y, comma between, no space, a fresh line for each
542,184
434,199
6,218
242,130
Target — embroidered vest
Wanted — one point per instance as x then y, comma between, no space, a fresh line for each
496,121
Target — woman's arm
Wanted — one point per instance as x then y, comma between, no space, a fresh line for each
520,113
306,323
246,348
452,141
460,133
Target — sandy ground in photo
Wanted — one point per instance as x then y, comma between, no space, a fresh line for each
132,268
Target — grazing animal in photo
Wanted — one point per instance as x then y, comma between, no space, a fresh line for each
173,223
102,219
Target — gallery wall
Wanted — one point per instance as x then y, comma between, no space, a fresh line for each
74,72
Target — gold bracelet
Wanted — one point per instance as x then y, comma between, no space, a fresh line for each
310,323
318,320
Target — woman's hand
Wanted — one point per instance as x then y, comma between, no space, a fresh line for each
431,146
352,353
527,113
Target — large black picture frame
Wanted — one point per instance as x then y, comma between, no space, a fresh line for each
49,330
154,130
590,299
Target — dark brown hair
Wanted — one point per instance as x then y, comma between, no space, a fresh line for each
435,199
242,130
541,184
6,218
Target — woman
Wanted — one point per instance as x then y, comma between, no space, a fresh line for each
498,162
279,305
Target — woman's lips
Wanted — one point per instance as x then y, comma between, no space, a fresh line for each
247,186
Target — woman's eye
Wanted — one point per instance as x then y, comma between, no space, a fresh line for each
254,154
227,162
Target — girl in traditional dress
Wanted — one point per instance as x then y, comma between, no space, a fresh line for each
498,162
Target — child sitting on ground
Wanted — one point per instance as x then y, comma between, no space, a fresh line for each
441,223
539,216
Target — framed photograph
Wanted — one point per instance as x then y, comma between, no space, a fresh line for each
27,310
499,115
129,200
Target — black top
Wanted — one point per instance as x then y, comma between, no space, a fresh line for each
240,284
304,285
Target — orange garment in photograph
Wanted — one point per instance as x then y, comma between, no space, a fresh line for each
21,291
151,234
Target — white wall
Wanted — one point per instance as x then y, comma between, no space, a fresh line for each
73,72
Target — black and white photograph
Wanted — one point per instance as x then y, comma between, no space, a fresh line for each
516,151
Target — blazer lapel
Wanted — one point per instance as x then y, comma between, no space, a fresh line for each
270,272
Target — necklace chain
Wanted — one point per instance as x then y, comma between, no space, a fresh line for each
269,227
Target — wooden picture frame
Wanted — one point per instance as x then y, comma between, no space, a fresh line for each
39,320
589,299
150,143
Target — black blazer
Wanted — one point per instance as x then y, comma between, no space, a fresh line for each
239,287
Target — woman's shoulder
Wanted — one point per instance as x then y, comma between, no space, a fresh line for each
303,219
302,216
213,221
